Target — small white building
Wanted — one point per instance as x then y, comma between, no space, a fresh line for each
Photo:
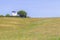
14,13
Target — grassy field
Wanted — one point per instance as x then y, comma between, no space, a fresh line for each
29,28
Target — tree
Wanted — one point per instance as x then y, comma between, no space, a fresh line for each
7,15
22,14
1,15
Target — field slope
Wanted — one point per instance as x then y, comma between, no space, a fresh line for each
29,28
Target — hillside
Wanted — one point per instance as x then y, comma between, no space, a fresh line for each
29,28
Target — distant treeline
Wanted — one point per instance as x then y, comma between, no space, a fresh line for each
12,16
9,16
20,13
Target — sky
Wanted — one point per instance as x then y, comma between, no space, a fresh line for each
34,8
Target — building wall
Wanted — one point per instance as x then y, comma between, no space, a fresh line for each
14,13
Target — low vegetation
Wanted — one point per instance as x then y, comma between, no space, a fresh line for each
20,13
12,28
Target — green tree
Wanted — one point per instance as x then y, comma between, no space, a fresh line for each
22,13
7,15
1,15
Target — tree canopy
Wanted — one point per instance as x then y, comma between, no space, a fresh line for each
22,13
7,15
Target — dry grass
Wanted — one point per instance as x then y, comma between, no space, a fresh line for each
29,28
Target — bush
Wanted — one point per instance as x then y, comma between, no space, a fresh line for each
7,15
1,15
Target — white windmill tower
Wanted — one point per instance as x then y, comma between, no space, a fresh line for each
14,13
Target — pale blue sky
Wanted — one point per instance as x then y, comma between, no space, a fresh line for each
34,8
